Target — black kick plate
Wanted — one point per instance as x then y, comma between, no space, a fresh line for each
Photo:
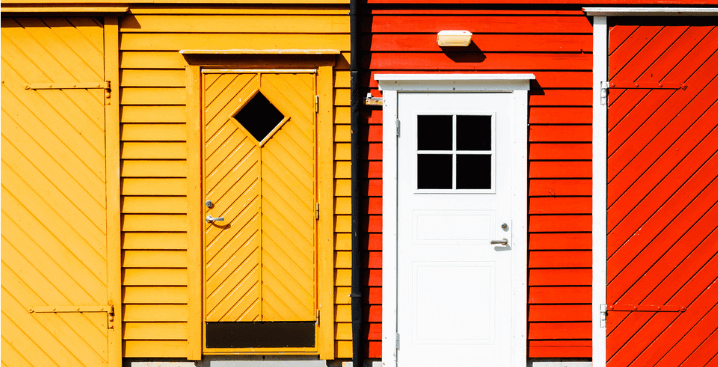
299,334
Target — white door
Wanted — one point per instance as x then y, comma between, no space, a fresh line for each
454,199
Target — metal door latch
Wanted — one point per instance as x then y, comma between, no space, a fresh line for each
211,219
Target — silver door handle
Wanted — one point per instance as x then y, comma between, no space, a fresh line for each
502,242
211,219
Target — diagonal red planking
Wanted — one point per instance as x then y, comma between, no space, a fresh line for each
662,193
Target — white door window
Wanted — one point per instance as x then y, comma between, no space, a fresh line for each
454,216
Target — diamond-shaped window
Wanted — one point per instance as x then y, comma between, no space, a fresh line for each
259,116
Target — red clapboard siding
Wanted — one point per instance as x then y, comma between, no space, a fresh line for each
558,2
559,223
560,151
478,61
559,349
560,205
559,259
559,295
486,42
559,330
555,45
561,313
559,241
546,277
478,24
663,191
560,169
560,115
557,187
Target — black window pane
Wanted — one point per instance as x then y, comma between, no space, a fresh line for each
473,132
259,116
434,132
434,171
473,171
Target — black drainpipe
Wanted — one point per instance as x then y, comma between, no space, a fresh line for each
356,172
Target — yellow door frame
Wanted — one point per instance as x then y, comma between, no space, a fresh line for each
323,61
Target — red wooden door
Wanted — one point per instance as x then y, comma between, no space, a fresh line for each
662,193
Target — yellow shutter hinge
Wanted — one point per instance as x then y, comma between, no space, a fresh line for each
87,85
318,317
316,212
68,309
316,104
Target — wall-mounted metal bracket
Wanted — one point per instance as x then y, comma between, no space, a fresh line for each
72,309
373,101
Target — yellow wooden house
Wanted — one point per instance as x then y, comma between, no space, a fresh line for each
176,181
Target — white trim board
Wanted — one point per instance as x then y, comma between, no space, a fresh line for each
393,84
655,11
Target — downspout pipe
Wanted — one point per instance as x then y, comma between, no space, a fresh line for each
356,298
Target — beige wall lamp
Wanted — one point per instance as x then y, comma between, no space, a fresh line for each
453,38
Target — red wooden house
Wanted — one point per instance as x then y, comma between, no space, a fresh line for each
546,193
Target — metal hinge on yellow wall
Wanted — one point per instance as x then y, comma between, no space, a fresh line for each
318,319
68,309
88,85
316,103
316,214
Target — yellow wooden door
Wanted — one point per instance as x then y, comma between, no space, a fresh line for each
259,175
54,268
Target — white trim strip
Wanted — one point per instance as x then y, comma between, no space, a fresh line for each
632,12
600,138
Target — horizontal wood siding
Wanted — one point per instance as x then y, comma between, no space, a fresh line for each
154,170
554,45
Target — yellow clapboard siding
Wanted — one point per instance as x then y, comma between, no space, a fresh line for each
151,60
216,9
343,205
342,151
343,331
255,23
154,222
152,114
153,168
191,41
343,169
342,295
155,331
342,97
154,277
343,259
342,134
153,96
154,348
154,313
154,150
154,204
148,294
343,223
343,277
152,78
343,241
342,115
343,349
342,79
343,62
154,259
343,187
153,132
149,241
343,313
154,186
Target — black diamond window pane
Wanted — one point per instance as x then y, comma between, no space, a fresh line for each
473,171
434,171
259,116
435,132
473,132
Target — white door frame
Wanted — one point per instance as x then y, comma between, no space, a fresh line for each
600,140
516,84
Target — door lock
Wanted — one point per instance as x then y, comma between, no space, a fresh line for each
209,204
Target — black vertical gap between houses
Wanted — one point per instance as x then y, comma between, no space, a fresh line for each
356,300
